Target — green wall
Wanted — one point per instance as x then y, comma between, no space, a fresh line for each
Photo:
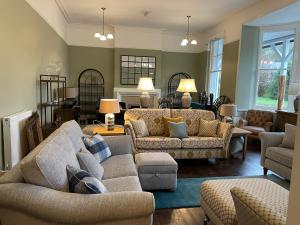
102,59
229,69
246,79
28,45
204,70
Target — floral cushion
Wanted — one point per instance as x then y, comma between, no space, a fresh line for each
158,142
202,142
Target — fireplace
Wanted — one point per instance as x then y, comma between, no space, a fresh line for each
131,96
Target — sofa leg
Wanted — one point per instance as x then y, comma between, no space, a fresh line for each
265,171
206,220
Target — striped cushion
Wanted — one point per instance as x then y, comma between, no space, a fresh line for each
82,182
97,146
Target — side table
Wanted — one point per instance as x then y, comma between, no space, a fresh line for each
118,130
238,133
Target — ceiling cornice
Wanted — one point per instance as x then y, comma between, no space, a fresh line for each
63,11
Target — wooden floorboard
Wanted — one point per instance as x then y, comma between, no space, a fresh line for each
234,166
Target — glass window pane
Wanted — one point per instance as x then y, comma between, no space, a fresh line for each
131,58
124,58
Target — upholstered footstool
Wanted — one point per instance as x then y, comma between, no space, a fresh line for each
157,171
218,204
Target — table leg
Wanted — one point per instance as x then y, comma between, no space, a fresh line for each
245,146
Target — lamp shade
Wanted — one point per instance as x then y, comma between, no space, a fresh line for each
228,110
71,92
294,89
109,106
187,85
145,84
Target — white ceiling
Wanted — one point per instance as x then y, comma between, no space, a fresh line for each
164,14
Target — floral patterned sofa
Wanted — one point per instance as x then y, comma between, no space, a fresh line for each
186,148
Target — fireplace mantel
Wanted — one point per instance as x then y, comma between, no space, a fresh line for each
131,96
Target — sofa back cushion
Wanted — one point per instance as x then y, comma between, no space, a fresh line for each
152,118
259,118
46,164
192,118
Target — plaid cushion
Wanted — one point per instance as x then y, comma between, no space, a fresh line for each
82,182
97,146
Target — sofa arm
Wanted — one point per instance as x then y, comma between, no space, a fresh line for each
269,139
130,131
251,210
70,208
225,132
119,145
242,123
268,126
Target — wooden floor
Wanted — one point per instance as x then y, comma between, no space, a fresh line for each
205,168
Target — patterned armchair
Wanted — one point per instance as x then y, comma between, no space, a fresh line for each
257,121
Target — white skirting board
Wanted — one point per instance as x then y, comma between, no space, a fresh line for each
14,138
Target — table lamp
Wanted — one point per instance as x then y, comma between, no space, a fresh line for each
109,106
186,86
294,89
145,85
228,110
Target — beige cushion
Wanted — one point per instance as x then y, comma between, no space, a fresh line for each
202,142
289,136
120,184
46,165
283,156
208,128
140,128
119,166
90,164
158,142
254,130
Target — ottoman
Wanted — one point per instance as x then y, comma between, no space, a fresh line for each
157,171
218,204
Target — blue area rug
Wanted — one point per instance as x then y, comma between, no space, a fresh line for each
187,194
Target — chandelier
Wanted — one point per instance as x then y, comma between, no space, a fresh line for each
187,40
102,36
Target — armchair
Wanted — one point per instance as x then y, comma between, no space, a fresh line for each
257,121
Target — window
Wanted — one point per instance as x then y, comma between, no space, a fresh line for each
275,59
134,67
215,69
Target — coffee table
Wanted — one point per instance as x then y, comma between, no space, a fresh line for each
239,132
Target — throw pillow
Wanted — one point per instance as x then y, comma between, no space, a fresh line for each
82,182
178,130
97,146
140,128
166,126
90,164
289,136
208,128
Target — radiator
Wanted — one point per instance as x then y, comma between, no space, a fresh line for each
14,138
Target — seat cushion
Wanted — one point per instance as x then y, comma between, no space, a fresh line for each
254,130
130,183
283,156
202,142
158,142
216,195
119,166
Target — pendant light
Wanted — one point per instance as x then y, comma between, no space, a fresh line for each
186,40
102,35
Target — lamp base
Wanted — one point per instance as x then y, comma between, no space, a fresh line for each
109,121
186,100
145,100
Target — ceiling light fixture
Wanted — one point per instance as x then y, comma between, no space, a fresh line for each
102,36
186,40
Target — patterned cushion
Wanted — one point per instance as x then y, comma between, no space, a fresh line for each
97,146
177,130
289,136
158,142
216,194
82,182
152,118
140,128
168,119
191,117
208,128
202,142
258,117
90,164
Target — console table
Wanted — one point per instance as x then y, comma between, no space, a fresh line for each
283,117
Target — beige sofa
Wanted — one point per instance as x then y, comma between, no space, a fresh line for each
30,204
186,148
274,157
